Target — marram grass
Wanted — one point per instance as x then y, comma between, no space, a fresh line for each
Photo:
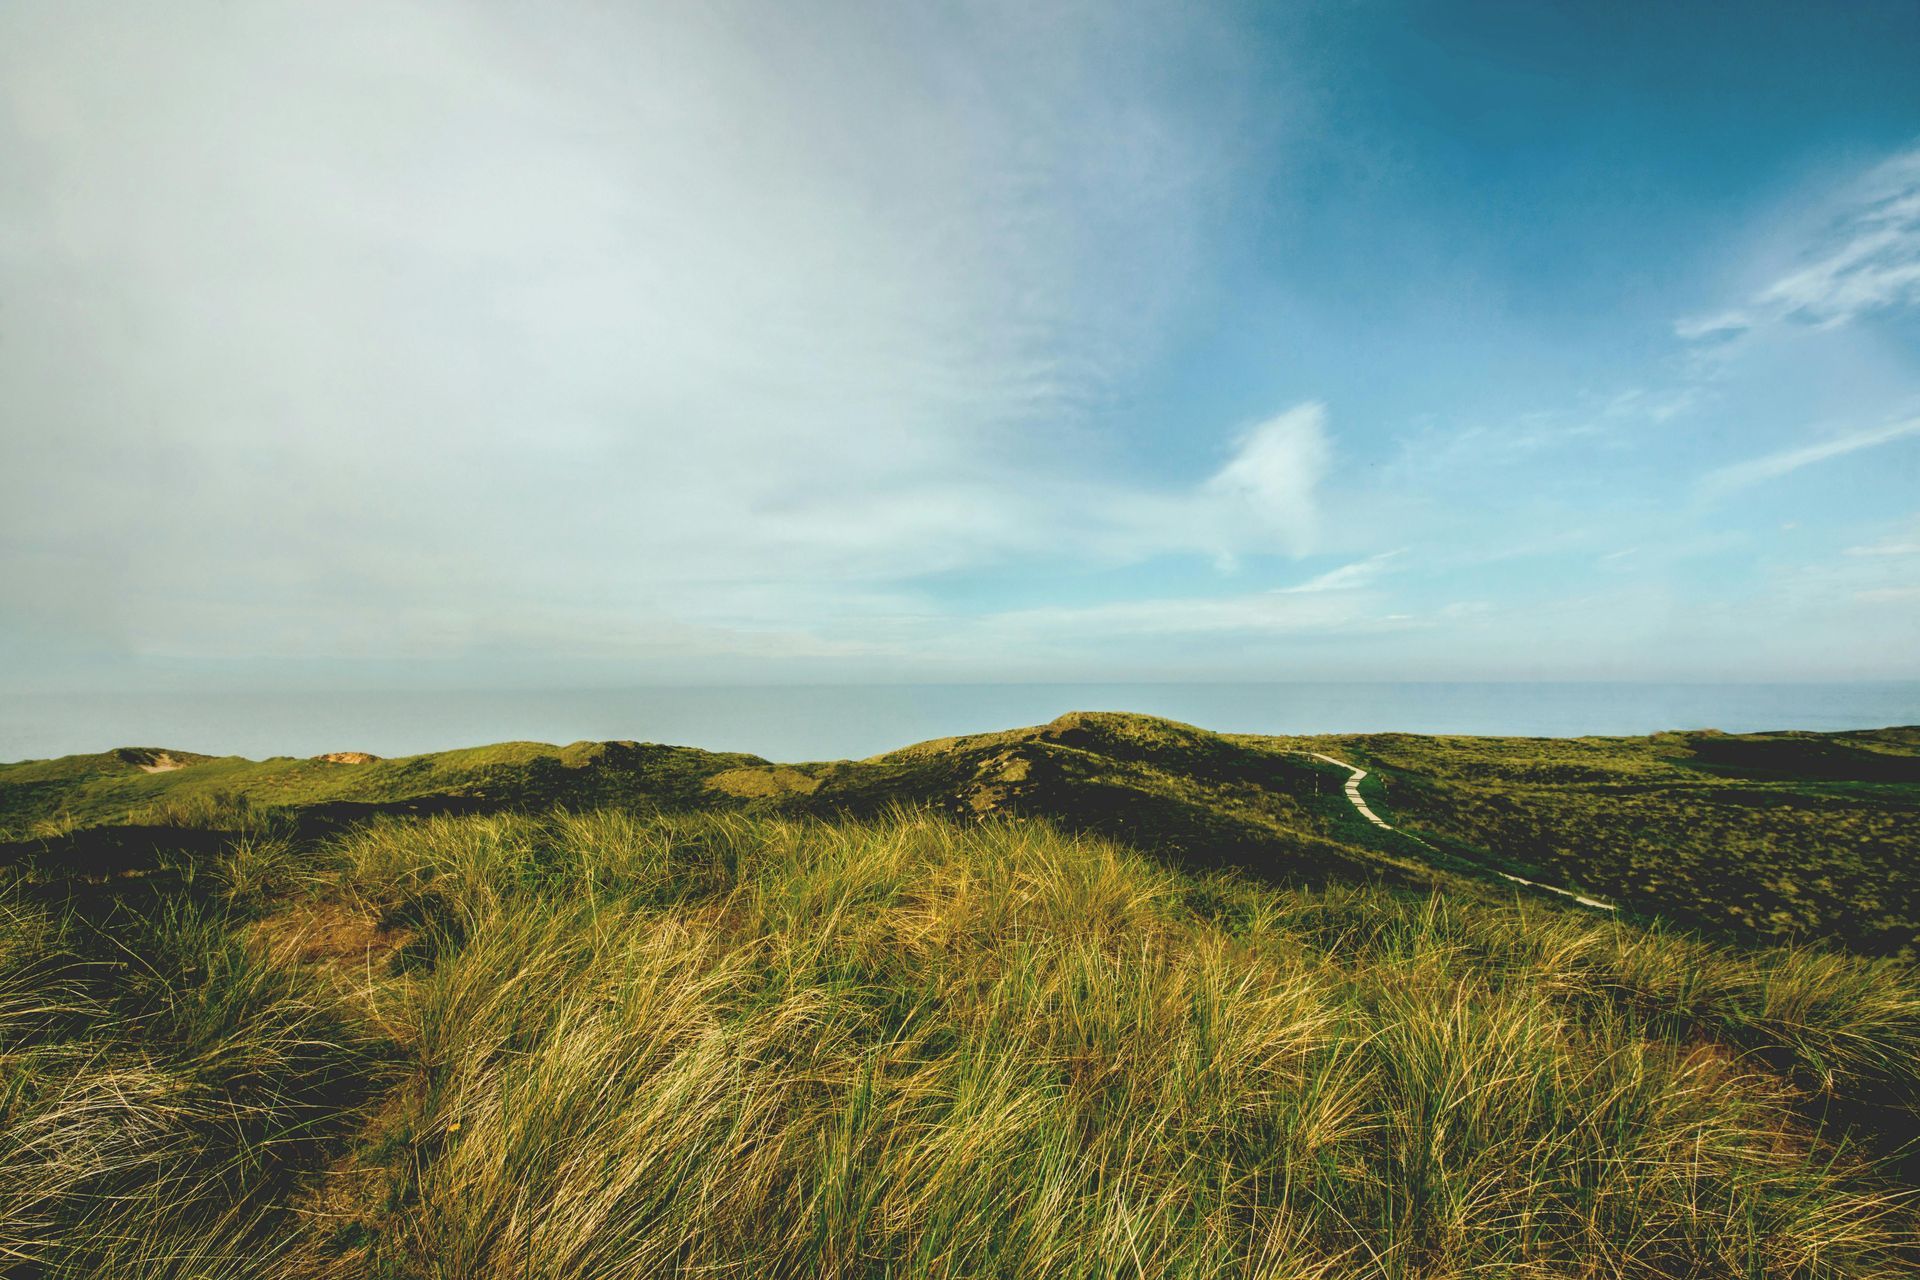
602,1045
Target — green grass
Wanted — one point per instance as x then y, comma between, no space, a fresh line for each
53,797
1777,838
1773,837
607,1043
163,1090
1106,997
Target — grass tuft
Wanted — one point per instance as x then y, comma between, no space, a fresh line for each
596,1044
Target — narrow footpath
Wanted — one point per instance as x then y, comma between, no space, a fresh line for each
1355,773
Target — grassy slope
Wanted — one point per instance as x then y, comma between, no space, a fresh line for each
601,1044
1192,796
1769,837
39,797
612,1009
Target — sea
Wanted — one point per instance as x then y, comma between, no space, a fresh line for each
831,722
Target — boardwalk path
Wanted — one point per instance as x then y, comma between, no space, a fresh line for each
1355,773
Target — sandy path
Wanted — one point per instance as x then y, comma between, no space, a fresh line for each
1353,790
1355,773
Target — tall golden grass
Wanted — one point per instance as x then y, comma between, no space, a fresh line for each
606,1045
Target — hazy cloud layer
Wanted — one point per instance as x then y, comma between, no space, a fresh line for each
747,339
384,329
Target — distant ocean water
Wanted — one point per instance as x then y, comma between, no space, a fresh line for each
823,722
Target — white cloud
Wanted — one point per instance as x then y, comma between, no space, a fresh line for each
1771,466
1867,260
636,321
1896,542
1349,577
1273,478
1720,324
1335,602
1260,612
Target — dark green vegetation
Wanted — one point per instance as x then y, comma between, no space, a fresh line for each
1112,997
1775,836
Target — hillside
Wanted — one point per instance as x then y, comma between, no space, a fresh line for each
1105,997
1779,836
1775,837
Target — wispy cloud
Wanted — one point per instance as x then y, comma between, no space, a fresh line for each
1269,488
1339,600
1771,466
1252,613
1719,324
1349,577
1896,543
685,315
1867,260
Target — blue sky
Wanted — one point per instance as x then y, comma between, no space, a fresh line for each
437,343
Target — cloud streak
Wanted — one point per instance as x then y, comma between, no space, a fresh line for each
1867,260
1772,466
1338,601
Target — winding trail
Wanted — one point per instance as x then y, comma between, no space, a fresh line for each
1355,773
1353,791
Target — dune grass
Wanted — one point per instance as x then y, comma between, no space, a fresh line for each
163,1090
1763,837
1760,839
598,1044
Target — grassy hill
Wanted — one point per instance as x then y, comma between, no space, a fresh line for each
1760,837
1106,997
1778,836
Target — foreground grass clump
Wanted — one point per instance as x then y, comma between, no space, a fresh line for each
608,1045
164,1089
913,1048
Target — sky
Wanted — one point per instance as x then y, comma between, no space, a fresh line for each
433,344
